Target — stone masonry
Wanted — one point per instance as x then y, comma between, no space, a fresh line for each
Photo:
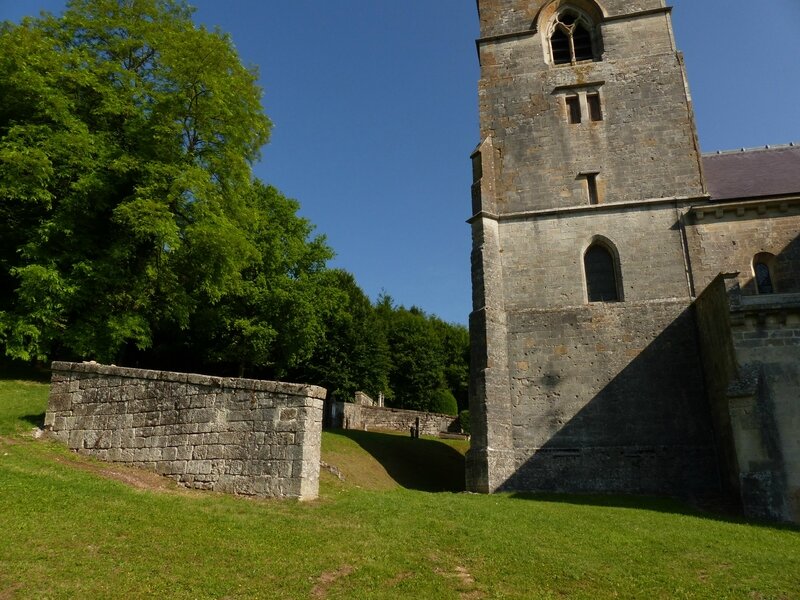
371,418
751,350
569,394
636,305
725,237
255,438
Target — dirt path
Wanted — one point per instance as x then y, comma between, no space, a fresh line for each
140,479
327,579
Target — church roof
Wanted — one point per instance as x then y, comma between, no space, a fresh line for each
753,173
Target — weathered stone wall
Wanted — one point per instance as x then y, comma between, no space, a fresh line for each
363,399
566,394
231,435
721,369
644,148
609,398
766,335
751,357
354,416
726,238
543,255
503,17
652,393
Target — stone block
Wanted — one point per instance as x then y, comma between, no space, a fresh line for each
75,439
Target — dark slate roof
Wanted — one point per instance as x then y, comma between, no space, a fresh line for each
753,173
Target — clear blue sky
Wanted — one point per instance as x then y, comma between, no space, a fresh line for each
374,106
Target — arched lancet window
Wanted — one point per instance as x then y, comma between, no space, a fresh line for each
762,271
602,274
571,38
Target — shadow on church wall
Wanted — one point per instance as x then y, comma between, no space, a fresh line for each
647,426
692,401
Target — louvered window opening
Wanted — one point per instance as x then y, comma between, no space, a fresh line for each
571,40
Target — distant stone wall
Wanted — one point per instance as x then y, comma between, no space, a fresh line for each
354,416
363,399
257,438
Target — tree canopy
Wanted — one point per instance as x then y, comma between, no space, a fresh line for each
133,231
126,140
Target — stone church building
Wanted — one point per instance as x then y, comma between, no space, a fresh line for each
636,304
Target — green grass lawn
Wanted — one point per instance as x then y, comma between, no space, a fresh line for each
395,528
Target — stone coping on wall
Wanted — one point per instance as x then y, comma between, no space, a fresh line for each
678,201
295,389
771,301
404,411
387,418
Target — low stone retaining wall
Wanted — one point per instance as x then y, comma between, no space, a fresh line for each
354,416
249,437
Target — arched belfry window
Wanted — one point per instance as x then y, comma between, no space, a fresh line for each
571,38
601,268
762,271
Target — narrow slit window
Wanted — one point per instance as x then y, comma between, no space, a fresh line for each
574,109
595,110
477,167
591,186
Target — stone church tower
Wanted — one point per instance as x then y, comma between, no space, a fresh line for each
586,369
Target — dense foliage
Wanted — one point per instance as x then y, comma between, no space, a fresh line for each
126,138
132,230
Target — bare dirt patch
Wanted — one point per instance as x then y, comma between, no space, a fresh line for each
465,581
131,476
464,576
140,479
399,578
327,579
8,593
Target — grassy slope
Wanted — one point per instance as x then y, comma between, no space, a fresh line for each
66,532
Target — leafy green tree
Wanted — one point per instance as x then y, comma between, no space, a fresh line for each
455,351
443,401
463,419
353,354
131,227
429,359
417,367
126,140
274,317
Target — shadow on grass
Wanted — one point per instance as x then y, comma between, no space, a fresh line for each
422,464
713,510
35,420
